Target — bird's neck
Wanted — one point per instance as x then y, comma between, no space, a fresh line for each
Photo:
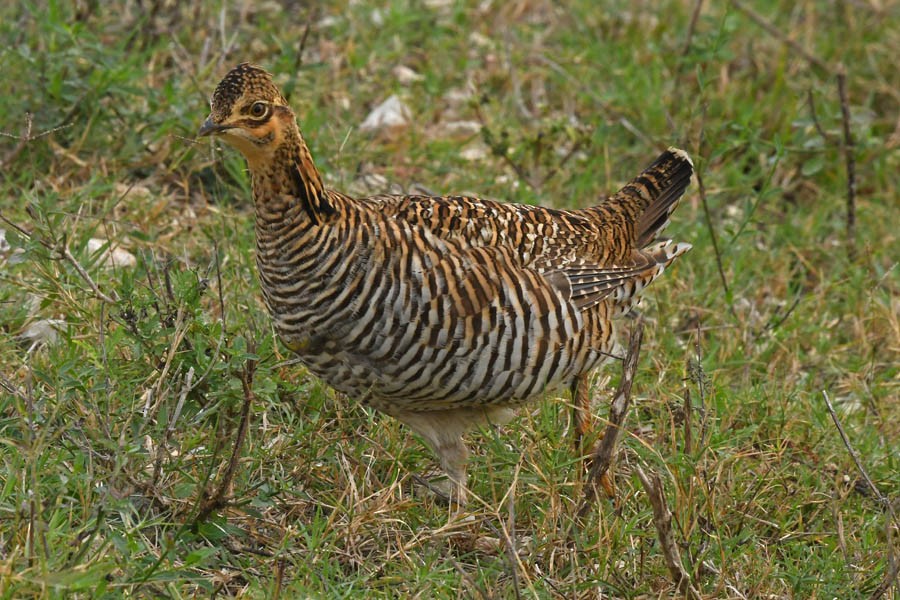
287,184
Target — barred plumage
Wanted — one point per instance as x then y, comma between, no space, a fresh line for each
445,312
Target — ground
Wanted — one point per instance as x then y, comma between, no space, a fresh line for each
125,375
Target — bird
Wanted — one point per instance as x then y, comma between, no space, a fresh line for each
445,312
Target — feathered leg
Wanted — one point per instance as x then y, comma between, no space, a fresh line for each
583,424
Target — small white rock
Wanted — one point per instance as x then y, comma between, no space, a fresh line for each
460,128
134,191
474,152
389,114
480,40
406,76
112,257
456,97
328,21
44,331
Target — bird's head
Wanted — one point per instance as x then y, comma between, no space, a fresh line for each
249,113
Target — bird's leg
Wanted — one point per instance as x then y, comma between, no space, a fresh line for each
453,455
581,410
581,417
443,431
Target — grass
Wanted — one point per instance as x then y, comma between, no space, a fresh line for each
116,428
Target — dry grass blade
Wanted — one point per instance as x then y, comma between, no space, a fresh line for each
662,519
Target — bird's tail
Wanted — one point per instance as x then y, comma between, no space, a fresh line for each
651,197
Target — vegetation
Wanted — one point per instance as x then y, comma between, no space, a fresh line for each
119,416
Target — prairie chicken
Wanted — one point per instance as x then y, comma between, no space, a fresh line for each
444,312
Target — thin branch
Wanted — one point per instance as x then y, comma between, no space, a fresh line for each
777,34
576,146
298,59
712,235
815,117
26,136
837,423
892,568
22,231
688,422
219,497
23,140
512,559
467,579
519,169
603,453
662,519
692,26
608,109
849,148
66,254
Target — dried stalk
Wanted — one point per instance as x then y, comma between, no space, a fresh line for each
662,519
603,453
219,498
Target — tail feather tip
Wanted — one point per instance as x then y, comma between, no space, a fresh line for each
681,154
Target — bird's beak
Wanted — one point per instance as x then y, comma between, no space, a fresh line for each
210,127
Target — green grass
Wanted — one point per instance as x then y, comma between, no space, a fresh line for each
108,454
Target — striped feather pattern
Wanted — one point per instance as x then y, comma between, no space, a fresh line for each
439,310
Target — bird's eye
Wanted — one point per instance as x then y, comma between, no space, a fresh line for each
258,109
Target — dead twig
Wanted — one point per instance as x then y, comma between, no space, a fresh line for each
467,579
219,498
603,453
892,569
516,167
662,519
65,253
712,237
848,148
837,423
688,418
692,26
508,535
606,107
26,136
298,60
62,250
781,37
512,559
814,115
23,139
699,377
